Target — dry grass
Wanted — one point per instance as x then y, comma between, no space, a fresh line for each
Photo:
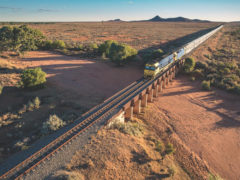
137,34
115,154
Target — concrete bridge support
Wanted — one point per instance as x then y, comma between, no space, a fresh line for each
164,82
160,85
150,95
144,100
137,106
155,91
129,113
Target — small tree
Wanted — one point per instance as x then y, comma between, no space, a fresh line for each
20,39
33,78
120,53
189,65
104,48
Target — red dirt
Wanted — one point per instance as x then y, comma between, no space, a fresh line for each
207,122
87,78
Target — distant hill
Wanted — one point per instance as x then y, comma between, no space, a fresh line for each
176,19
116,20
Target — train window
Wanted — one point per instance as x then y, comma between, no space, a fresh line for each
149,68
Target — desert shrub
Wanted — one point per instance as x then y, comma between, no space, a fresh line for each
52,124
206,85
201,65
135,129
58,44
226,70
36,103
30,106
33,78
20,39
193,78
169,149
171,170
47,45
189,65
121,53
80,47
149,55
159,146
157,54
214,177
23,109
105,47
1,88
93,47
199,73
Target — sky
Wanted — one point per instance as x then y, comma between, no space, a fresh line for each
102,10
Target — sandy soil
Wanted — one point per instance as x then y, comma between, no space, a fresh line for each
207,122
89,79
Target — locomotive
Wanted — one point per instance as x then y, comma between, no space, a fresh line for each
152,69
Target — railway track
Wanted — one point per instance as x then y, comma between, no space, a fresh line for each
104,110
86,121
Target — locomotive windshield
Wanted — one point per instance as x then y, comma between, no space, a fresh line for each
150,68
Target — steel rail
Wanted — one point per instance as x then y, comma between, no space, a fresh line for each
86,117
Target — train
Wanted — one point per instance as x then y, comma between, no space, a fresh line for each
152,69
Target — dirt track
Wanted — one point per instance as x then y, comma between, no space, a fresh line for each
207,122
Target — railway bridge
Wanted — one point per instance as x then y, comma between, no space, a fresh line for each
65,142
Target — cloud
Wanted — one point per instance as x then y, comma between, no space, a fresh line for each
10,8
47,10
130,2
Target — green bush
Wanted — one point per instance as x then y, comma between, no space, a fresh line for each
20,39
105,47
93,46
33,78
159,146
169,149
206,85
189,65
157,54
52,124
121,53
47,45
58,44
201,65
80,47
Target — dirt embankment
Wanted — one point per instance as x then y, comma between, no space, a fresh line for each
112,154
206,122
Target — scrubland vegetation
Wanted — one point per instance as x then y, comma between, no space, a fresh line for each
220,68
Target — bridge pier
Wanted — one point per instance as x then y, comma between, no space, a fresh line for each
160,85
150,95
170,77
137,107
144,100
155,91
129,113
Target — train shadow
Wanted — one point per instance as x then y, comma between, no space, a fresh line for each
170,46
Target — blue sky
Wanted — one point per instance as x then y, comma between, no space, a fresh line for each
98,10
